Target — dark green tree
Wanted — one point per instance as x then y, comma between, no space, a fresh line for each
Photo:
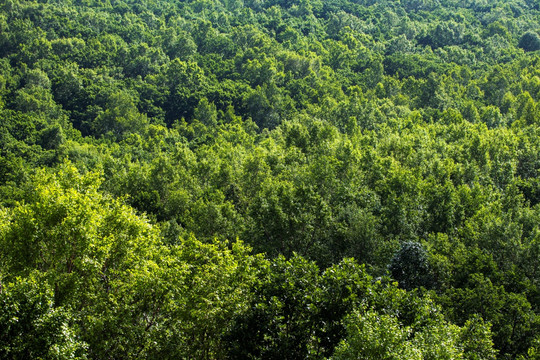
410,267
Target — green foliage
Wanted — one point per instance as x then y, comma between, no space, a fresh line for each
130,295
530,41
142,142
32,326
410,267
376,336
379,334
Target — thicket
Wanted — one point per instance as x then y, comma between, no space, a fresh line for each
296,179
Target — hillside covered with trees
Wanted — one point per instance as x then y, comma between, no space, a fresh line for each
270,179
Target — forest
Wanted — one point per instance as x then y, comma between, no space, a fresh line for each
270,179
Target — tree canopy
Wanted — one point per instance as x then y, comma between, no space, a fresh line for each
295,179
